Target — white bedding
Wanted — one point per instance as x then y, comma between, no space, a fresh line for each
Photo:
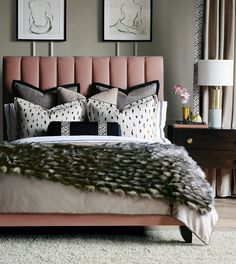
21,194
31,195
82,139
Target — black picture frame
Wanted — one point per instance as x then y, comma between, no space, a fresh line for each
116,30
32,26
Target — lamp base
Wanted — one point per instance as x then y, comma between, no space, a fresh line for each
215,118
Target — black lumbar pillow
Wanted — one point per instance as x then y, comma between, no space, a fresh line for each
83,128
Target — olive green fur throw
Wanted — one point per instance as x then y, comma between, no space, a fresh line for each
143,170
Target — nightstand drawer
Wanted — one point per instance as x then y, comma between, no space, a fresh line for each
210,148
205,139
214,159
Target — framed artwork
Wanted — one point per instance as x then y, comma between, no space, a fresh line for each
127,20
41,20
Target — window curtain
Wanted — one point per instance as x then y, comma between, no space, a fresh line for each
219,43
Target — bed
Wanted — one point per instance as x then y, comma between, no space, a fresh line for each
29,201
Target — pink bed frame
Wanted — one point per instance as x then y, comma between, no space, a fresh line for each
46,72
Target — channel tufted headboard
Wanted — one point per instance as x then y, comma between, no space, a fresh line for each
47,72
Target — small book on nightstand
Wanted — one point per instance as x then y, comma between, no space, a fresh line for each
182,124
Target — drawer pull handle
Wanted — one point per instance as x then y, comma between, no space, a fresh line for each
189,141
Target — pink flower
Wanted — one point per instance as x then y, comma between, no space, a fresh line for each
183,92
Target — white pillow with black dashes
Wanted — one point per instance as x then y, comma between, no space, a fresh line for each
33,120
137,119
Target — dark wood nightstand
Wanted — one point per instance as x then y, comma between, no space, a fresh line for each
210,148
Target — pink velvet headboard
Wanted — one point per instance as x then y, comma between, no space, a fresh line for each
47,72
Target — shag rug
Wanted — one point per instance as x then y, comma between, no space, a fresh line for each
116,245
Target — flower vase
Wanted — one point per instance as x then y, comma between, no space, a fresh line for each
186,111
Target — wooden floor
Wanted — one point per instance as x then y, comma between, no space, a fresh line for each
226,209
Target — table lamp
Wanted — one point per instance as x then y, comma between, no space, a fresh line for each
215,73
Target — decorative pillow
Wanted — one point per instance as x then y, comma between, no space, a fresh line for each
33,120
83,128
136,119
47,98
65,95
144,89
131,94
126,97
10,117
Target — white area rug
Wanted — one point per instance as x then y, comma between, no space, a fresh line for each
149,246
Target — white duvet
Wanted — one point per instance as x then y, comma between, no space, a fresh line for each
20,194
31,195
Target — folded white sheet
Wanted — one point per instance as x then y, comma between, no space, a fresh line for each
82,139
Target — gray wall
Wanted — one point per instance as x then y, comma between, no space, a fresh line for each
173,38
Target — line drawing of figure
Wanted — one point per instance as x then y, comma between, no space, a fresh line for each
41,17
130,20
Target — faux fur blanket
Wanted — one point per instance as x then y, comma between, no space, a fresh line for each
145,170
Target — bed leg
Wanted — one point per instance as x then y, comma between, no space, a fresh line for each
186,234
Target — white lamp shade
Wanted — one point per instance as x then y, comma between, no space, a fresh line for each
215,72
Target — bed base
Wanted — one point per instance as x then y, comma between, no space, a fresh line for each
69,220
